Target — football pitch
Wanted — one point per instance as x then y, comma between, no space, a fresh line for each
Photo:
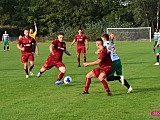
39,99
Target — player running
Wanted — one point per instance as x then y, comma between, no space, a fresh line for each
81,40
55,58
104,69
5,39
116,63
25,45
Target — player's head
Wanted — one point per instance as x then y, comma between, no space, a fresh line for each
30,30
61,37
5,32
80,30
156,30
99,42
26,32
105,37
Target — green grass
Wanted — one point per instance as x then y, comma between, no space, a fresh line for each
39,99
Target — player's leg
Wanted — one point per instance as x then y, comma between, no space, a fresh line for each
102,77
46,66
78,56
84,53
60,75
26,69
4,45
157,56
7,46
24,60
120,77
78,59
61,67
31,61
88,82
41,71
31,67
154,44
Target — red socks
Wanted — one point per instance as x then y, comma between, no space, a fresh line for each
105,85
87,84
60,76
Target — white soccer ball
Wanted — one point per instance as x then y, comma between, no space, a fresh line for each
67,80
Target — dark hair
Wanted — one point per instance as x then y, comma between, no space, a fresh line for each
105,36
61,33
100,40
79,28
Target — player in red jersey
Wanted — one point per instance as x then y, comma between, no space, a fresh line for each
104,69
25,45
55,58
81,49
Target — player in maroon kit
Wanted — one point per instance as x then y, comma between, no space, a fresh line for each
25,45
55,58
81,49
104,69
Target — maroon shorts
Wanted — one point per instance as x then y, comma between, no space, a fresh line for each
107,70
27,57
51,63
81,50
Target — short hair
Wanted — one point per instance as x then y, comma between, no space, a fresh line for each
79,28
105,36
61,33
99,40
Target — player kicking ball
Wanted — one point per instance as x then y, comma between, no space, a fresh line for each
55,58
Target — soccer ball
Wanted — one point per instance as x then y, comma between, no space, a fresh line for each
67,80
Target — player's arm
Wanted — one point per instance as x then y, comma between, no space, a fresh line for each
37,49
68,53
92,63
51,47
2,38
19,47
87,44
109,48
72,43
35,26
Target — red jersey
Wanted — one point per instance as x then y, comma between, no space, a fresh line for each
80,39
105,58
59,48
27,44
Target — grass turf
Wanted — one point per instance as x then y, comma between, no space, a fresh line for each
39,99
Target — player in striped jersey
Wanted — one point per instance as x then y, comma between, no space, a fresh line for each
116,63
156,35
5,39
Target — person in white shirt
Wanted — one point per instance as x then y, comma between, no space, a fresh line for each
116,63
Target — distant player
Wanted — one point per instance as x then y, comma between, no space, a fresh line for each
112,38
82,45
5,39
156,35
157,46
116,63
104,69
25,45
33,34
55,58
